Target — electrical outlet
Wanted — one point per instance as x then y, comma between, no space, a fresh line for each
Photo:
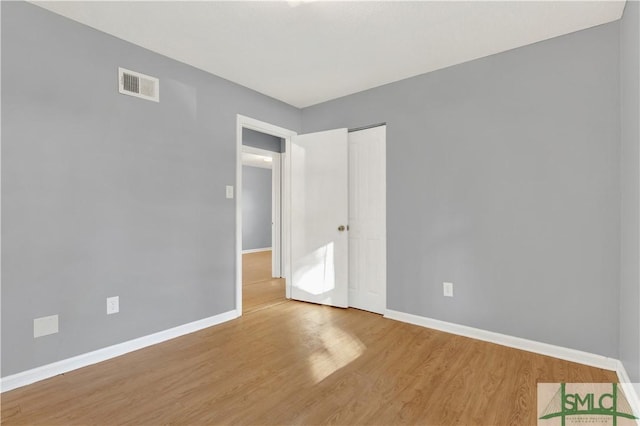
45,326
113,305
229,190
447,289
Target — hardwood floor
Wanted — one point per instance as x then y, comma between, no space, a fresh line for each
259,290
297,363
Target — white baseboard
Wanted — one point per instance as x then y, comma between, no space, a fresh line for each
631,390
46,371
506,340
256,250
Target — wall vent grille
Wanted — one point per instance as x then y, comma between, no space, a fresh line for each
139,85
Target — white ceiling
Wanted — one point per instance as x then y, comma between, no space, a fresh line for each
304,52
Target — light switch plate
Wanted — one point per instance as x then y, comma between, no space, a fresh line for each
229,191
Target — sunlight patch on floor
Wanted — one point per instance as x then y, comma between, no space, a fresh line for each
339,348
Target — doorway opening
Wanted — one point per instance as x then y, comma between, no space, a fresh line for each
331,223
262,284
261,243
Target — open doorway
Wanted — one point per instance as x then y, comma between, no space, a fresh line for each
260,236
364,176
262,284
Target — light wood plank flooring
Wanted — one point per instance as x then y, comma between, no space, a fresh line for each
297,363
259,290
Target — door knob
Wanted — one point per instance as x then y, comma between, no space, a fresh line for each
341,228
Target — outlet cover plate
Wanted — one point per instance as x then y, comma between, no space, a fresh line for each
113,305
447,289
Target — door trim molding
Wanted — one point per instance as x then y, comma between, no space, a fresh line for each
286,134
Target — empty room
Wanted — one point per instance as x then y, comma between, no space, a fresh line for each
320,212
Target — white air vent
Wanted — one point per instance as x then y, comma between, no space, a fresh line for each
139,85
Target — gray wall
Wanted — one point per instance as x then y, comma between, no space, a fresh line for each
630,177
262,140
256,208
105,194
503,178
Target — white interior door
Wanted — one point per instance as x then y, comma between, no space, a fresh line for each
367,220
319,214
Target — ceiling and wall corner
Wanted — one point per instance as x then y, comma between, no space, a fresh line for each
308,53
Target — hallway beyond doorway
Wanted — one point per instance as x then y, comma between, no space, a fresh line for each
259,289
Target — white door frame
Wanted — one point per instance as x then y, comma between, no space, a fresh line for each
286,134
